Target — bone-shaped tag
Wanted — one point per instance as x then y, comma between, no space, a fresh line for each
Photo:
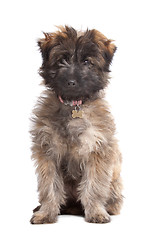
76,114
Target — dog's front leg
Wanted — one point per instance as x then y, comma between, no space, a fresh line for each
94,189
51,191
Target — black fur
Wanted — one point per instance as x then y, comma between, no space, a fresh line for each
75,67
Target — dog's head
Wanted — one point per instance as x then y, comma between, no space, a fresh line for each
75,64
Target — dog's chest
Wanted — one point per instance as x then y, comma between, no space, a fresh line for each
81,137
75,128
84,137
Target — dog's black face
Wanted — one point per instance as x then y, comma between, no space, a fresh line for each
75,67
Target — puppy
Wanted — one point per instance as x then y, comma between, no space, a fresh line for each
74,148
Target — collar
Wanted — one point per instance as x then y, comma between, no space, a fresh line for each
70,103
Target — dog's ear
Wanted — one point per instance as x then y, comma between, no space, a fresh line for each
45,45
43,41
109,50
106,45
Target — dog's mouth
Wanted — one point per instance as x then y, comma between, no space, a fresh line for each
71,102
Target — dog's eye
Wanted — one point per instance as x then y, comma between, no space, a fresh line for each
62,62
86,62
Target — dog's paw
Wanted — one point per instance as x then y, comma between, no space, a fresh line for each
42,218
98,217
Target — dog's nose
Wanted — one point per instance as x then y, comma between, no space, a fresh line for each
72,83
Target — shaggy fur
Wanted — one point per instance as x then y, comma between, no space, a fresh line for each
77,159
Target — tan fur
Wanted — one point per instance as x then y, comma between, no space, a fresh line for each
104,42
76,154
92,155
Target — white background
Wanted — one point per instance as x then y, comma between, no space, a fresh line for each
133,95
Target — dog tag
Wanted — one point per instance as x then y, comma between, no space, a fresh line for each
76,114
